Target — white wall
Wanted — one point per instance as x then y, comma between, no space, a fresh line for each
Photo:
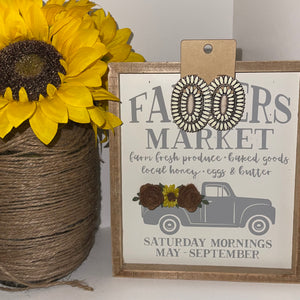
267,29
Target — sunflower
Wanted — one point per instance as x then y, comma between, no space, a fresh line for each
170,195
53,65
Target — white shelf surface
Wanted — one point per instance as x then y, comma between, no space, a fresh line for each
97,272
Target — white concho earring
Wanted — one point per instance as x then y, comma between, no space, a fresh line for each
228,102
191,103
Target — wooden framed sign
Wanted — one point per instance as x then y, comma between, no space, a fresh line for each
210,204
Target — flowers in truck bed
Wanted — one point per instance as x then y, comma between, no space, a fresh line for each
152,196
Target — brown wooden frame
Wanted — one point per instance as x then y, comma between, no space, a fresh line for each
188,271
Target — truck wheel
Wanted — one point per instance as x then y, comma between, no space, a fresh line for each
169,224
259,225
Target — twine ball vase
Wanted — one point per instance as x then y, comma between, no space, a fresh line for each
49,204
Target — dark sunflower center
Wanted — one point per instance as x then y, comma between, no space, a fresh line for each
30,64
171,197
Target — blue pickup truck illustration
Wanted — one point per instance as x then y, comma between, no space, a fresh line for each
225,209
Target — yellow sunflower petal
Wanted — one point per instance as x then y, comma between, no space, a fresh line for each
36,21
108,29
51,11
4,39
3,102
62,77
15,26
79,114
72,8
112,121
8,94
134,57
92,76
75,95
87,22
83,38
97,116
26,3
65,66
17,112
119,53
5,125
23,97
98,17
58,2
122,36
54,109
78,8
80,3
103,94
62,31
83,58
60,24
44,128
51,90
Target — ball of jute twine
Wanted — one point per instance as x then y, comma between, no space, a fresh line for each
49,204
